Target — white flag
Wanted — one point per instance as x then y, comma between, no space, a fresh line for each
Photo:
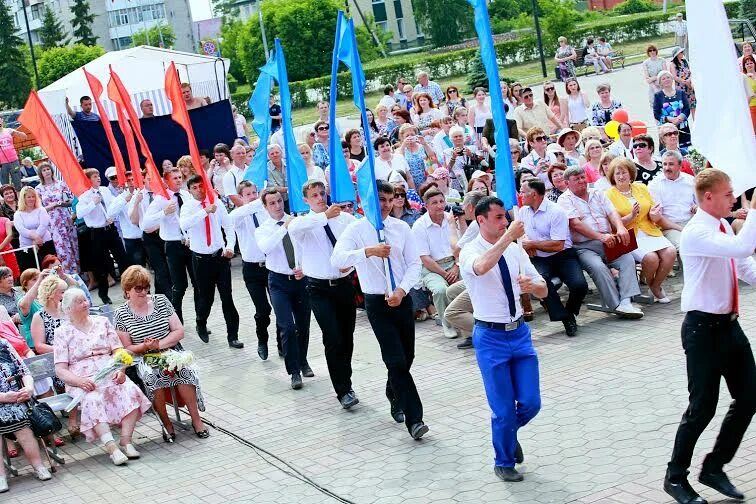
722,130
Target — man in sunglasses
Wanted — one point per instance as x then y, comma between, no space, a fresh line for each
534,114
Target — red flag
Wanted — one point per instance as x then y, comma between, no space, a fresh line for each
128,135
96,87
38,120
181,115
117,92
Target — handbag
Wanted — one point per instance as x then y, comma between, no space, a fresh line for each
42,419
618,249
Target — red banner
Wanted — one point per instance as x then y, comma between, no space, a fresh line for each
96,87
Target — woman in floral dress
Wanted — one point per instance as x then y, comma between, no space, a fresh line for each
57,199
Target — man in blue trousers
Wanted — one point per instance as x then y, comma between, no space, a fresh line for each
496,271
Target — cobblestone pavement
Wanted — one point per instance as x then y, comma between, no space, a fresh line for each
612,398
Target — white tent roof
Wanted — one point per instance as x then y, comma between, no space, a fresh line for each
142,70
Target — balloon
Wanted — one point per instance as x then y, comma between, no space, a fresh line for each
620,115
639,128
612,129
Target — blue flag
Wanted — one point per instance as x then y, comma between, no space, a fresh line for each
505,183
342,188
257,171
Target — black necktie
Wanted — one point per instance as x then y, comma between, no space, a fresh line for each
180,200
507,281
329,232
254,219
150,196
288,248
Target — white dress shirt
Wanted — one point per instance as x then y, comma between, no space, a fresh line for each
192,221
232,178
618,149
405,261
243,218
431,239
170,229
487,294
309,230
384,168
549,222
96,215
270,240
676,197
594,213
472,232
119,207
707,254
147,198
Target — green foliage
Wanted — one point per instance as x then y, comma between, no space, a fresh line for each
52,33
508,9
477,76
748,10
232,83
635,7
559,19
241,100
16,83
82,23
230,32
60,61
160,35
306,30
446,22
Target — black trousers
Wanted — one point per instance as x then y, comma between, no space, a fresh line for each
135,253
179,259
292,307
566,266
155,250
715,347
213,271
26,259
256,279
335,311
394,329
106,242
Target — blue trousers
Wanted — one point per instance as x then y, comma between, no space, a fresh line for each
291,305
509,366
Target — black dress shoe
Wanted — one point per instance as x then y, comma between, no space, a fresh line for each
106,300
307,371
203,334
682,492
466,343
236,344
507,474
348,400
396,412
570,326
418,430
296,381
721,483
262,351
519,456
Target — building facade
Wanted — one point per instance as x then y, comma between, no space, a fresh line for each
115,20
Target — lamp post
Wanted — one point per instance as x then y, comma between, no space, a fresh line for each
31,45
539,37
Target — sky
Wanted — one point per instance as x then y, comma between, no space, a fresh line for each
200,9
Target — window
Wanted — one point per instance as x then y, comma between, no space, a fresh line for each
122,43
398,9
35,11
379,13
136,15
400,28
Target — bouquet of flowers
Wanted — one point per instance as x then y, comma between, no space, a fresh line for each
170,361
121,360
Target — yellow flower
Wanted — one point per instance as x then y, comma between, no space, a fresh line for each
124,357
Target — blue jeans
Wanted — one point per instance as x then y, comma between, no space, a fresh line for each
509,366
291,305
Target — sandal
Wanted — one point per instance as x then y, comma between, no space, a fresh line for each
12,453
203,434
58,442
74,432
421,316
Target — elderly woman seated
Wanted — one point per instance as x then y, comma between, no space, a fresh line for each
633,202
83,346
148,324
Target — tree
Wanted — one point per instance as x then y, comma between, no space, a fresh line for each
446,22
748,10
52,33
16,83
635,7
559,19
160,35
229,35
477,76
82,23
60,61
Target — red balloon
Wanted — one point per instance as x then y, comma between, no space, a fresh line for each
620,115
639,127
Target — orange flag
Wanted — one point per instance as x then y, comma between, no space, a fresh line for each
96,87
128,136
38,120
181,115
117,92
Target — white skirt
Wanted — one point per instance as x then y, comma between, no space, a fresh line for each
648,244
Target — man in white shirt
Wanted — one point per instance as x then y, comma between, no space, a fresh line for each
441,140
205,223
674,191
330,288
388,99
247,218
235,174
390,312
496,273
130,232
623,146
715,345
592,221
165,214
681,32
433,238
95,208
549,245
283,257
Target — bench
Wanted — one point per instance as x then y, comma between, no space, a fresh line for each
617,58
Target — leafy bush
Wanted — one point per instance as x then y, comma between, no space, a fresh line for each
748,10
635,7
232,83
60,61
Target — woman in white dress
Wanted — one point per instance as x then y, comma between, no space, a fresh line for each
478,112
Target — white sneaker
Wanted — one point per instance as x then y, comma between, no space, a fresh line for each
450,332
663,299
130,451
627,310
42,473
3,484
118,457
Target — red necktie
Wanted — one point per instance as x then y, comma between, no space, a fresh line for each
735,303
207,225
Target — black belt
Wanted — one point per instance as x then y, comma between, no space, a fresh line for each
217,253
104,228
330,283
257,264
715,318
286,277
502,326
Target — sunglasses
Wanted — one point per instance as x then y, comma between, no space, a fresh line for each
640,146
549,89
346,206
672,133
526,96
453,91
113,177
400,195
142,288
541,138
322,128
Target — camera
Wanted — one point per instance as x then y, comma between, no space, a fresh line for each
456,209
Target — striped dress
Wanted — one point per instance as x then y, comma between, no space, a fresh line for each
156,325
